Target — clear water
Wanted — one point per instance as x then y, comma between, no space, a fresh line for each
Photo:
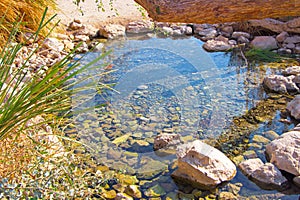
165,85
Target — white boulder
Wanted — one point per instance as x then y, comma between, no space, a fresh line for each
284,152
202,165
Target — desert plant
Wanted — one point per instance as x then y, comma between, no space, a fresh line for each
30,11
23,149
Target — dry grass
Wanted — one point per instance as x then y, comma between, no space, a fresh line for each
29,11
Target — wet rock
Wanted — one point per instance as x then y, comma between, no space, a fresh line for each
150,168
297,50
207,34
296,181
281,84
203,165
284,152
250,154
111,194
284,51
293,40
227,196
237,34
294,107
260,139
249,166
140,27
133,191
282,36
267,176
243,39
293,70
264,42
121,139
215,45
123,196
112,31
270,135
227,31
166,140
155,191
53,44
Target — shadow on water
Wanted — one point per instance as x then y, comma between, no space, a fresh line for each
166,85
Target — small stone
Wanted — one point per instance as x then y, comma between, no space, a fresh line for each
123,196
185,196
282,36
142,87
296,181
155,191
114,154
227,196
134,191
214,45
75,25
238,159
111,194
121,139
112,31
236,35
260,139
172,196
270,135
293,70
284,51
250,154
243,39
166,140
294,107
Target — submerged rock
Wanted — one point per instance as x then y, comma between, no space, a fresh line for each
202,165
155,191
264,42
284,152
267,176
281,84
294,107
166,140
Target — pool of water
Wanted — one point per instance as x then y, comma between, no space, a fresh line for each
170,85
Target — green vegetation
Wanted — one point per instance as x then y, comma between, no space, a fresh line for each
263,55
36,162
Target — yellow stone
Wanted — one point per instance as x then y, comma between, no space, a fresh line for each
121,139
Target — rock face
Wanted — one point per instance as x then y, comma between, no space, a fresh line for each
284,152
294,107
166,140
264,42
267,176
281,84
112,31
202,165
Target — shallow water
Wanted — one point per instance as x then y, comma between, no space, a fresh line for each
171,85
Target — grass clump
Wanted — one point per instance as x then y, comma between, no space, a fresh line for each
261,55
33,160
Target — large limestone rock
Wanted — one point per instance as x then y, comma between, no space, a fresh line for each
267,176
112,31
202,165
264,42
294,107
284,152
280,84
